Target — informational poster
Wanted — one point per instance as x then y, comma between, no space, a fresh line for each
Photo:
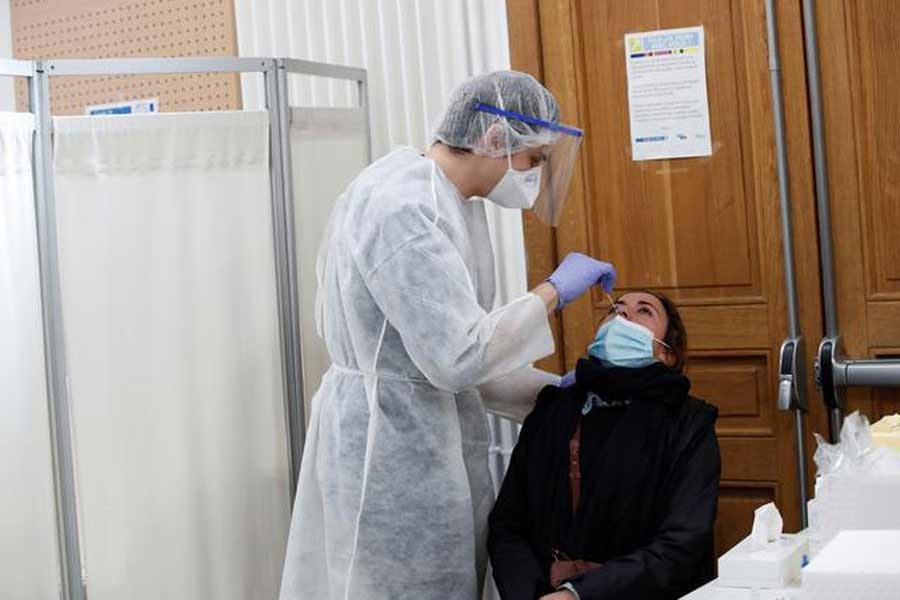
667,99
128,107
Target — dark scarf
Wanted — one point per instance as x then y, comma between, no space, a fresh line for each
655,382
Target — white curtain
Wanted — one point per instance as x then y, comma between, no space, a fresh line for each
29,560
170,319
328,150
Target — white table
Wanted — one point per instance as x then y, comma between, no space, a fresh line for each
712,591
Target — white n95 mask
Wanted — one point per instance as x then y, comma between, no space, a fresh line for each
517,189
624,344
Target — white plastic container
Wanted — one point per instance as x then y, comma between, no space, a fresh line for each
712,591
853,502
862,565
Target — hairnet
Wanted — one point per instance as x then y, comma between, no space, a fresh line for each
462,126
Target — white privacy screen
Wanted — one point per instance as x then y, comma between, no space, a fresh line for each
329,147
171,327
29,560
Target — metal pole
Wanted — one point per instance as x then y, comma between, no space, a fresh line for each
787,235
277,101
800,434
823,208
153,66
879,372
820,166
321,69
54,347
297,415
827,359
290,355
363,88
10,67
834,424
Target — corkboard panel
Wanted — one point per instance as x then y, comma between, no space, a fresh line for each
57,29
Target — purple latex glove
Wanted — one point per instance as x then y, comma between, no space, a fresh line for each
577,274
568,380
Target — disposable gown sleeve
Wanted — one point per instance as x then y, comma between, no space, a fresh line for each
513,396
424,290
516,568
662,568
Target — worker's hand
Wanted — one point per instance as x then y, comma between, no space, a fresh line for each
579,273
568,380
563,595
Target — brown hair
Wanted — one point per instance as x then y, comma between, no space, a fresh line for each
676,334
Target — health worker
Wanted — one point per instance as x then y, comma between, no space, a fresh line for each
394,489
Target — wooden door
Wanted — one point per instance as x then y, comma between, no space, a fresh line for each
860,65
706,231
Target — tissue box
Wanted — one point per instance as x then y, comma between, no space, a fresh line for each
774,565
886,432
863,565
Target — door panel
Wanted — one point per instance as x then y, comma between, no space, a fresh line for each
662,200
878,142
860,64
706,231
740,385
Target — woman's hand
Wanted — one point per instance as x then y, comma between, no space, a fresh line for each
563,595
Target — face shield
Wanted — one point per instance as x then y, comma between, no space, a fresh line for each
559,144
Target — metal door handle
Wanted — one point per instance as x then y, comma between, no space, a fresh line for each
835,372
785,391
791,375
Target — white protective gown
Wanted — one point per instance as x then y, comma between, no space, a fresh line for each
394,488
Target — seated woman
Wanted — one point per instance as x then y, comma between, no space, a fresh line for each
612,488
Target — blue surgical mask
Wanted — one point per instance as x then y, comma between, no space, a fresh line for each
624,344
